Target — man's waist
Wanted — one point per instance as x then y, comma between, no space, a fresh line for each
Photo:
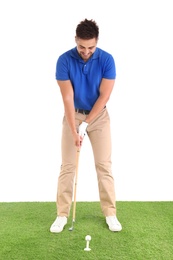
83,111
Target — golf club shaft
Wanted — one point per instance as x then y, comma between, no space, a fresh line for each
75,186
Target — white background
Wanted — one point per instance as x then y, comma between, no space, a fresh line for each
139,36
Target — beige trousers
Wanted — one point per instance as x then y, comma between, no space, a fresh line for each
100,137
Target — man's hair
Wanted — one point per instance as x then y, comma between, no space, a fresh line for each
87,29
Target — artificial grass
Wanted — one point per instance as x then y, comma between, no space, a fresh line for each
147,232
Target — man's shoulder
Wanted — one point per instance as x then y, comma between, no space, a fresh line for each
103,55
68,54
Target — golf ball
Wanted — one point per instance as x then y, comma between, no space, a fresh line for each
88,238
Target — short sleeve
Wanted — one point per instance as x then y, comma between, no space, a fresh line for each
62,72
109,71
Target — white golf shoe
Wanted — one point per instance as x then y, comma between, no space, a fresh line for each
58,224
113,223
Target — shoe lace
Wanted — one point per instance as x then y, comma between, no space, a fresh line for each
113,220
59,221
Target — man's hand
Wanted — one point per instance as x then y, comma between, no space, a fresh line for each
82,129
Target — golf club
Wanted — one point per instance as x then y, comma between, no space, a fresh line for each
75,187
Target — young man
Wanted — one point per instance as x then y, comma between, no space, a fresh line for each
86,76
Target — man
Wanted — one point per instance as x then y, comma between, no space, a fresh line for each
86,76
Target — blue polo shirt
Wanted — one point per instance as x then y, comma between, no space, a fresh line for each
85,76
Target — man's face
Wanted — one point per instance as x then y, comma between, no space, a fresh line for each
86,48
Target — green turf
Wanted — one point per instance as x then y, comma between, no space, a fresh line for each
147,232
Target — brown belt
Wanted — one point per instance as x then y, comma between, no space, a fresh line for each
82,111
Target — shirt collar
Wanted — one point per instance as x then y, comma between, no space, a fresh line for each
74,54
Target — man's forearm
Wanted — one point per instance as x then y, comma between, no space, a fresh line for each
70,116
97,108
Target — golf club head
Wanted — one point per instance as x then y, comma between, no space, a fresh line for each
70,229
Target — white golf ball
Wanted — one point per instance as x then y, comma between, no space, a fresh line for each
88,238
